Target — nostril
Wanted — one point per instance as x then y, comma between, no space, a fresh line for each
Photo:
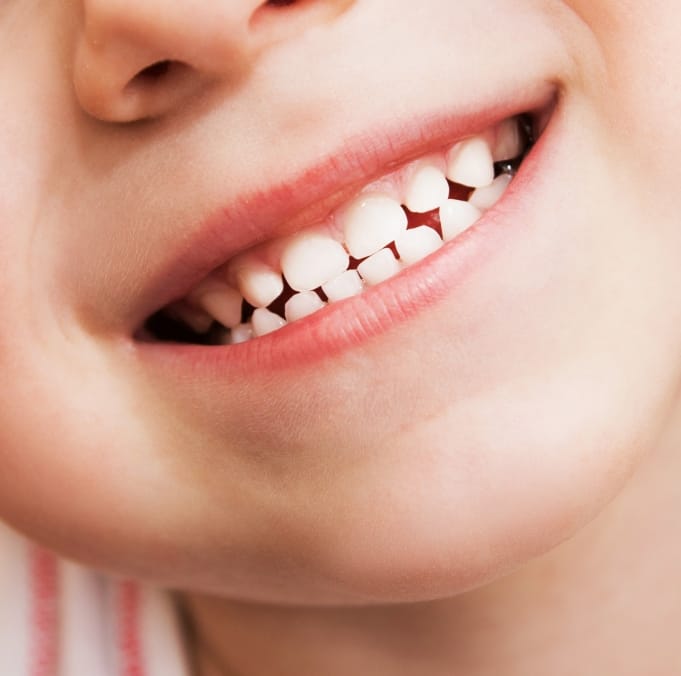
154,72
279,3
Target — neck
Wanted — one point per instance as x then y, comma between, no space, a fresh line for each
595,600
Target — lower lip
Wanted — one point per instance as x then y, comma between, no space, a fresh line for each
358,320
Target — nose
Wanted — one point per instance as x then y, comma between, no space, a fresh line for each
139,59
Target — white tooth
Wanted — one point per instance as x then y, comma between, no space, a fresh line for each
258,283
470,163
301,305
224,303
379,267
241,333
508,143
310,259
426,190
344,286
485,198
265,322
457,216
371,222
417,243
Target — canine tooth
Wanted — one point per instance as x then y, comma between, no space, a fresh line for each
310,259
379,267
508,144
470,163
259,283
265,322
426,190
371,222
301,305
457,216
241,333
223,303
417,243
485,198
344,286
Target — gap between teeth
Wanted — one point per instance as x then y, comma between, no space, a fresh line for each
364,243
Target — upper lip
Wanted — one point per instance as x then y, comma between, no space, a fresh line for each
307,197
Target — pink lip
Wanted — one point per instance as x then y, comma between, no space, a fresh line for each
306,199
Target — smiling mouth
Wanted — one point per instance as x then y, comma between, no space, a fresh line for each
390,225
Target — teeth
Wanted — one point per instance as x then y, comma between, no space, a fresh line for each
310,259
259,283
509,143
224,303
426,190
485,198
372,222
457,216
415,244
265,322
301,305
241,334
470,163
344,286
379,267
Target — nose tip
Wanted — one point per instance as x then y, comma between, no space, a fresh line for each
139,59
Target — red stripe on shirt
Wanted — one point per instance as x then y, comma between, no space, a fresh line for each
44,615
129,630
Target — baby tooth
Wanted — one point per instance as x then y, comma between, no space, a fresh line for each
379,267
241,333
198,320
265,322
310,259
485,198
372,222
470,163
344,286
426,190
301,305
415,244
258,283
457,216
224,303
508,143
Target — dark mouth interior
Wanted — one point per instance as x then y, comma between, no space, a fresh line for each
163,327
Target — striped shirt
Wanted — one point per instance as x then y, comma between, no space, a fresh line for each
60,619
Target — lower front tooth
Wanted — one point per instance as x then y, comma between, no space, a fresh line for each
301,305
486,198
344,286
309,260
241,334
457,216
417,243
265,322
379,267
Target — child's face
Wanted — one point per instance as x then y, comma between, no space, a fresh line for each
413,441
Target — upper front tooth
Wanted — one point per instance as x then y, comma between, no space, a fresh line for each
508,144
470,163
426,190
457,216
485,198
371,222
310,259
259,283
417,243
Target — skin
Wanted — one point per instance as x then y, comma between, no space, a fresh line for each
502,466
